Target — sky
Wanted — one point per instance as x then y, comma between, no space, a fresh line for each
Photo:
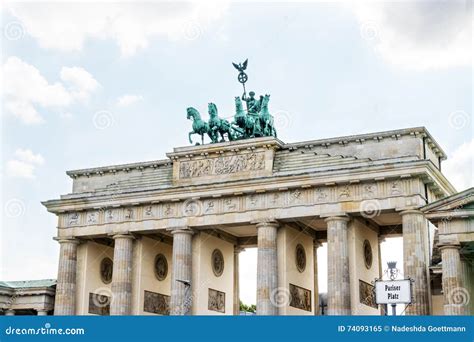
89,84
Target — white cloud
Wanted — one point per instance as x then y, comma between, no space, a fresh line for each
418,35
127,100
82,83
67,26
24,164
28,156
19,169
25,89
459,167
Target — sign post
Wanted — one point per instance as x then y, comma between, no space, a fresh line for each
393,291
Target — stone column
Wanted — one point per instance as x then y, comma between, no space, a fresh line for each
267,269
42,312
237,251
10,312
339,294
65,300
456,296
316,245
415,230
121,303
181,290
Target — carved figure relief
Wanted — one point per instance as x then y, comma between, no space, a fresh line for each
367,254
222,165
106,269
149,211
367,294
230,204
210,207
345,192
300,297
161,267
369,190
192,208
395,188
169,210
92,217
217,262
321,195
216,301
73,218
128,214
156,303
99,304
300,258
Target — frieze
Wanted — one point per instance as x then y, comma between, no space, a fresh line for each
216,301
281,198
156,303
367,294
99,304
222,165
300,297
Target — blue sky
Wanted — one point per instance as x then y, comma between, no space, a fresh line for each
109,83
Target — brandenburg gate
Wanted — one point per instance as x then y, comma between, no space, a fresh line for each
163,237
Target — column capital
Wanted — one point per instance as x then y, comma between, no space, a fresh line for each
266,223
123,236
71,239
181,230
238,249
452,245
411,211
342,217
317,243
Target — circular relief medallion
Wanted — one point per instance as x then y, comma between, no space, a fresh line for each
106,268
367,254
161,267
300,258
217,262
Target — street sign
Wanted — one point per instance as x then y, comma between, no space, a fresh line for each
393,291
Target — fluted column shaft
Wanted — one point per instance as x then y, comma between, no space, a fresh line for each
415,229
121,303
41,313
267,268
181,299
455,295
316,245
339,295
236,308
65,300
10,313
